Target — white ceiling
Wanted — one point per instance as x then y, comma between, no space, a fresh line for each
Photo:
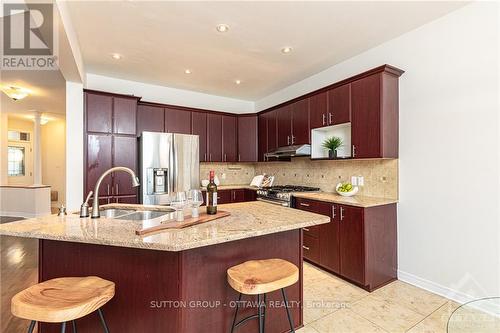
159,40
47,92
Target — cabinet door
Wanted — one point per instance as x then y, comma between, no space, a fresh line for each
229,139
99,159
177,121
300,122
124,115
310,249
238,195
199,127
351,243
247,139
99,112
284,120
224,197
318,110
124,154
250,195
272,130
365,102
150,119
214,137
339,105
262,124
329,241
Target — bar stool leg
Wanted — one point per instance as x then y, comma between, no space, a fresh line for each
288,313
264,319
32,326
236,313
74,326
103,322
261,316
63,327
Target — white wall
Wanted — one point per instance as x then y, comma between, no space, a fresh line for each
449,148
166,95
74,145
54,158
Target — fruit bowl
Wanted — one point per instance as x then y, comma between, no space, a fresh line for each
353,189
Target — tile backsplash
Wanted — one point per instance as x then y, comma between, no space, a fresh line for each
380,175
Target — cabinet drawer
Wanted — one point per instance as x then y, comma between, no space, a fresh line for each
318,207
223,197
311,231
310,248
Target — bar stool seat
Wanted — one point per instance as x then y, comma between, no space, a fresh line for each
63,299
259,277
256,277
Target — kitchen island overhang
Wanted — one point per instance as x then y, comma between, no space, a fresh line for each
174,281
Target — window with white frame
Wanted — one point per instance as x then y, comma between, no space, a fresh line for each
16,161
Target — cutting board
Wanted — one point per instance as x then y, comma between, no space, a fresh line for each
188,222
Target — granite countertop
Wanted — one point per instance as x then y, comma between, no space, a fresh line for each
247,219
357,200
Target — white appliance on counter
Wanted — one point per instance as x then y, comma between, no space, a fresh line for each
262,181
168,163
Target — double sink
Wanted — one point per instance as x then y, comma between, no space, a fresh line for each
133,214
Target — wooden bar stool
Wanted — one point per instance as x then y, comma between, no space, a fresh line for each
63,300
258,277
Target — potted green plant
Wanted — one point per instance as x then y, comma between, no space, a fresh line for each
332,144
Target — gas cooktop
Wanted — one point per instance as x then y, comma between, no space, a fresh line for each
282,194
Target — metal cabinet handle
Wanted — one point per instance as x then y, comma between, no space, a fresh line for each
324,119
225,157
205,158
330,121
306,229
304,204
293,139
341,213
239,157
210,155
117,191
107,186
353,150
288,139
333,212
305,247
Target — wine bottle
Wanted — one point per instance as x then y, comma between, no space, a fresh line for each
212,195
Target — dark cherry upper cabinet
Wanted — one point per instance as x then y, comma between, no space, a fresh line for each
99,159
229,139
284,123
124,115
374,113
199,127
339,105
318,110
99,112
124,154
300,122
352,247
214,137
272,130
177,121
262,130
150,119
247,139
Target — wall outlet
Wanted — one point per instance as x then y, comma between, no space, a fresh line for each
354,181
223,176
361,181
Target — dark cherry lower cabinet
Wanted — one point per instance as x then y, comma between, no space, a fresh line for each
359,244
233,196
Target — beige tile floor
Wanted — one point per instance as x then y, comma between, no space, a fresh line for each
333,305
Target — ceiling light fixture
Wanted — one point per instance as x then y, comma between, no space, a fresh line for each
222,27
116,56
16,93
286,49
187,71
237,81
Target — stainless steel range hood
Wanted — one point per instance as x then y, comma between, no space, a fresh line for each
290,151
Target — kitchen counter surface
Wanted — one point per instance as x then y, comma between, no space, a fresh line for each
247,219
357,200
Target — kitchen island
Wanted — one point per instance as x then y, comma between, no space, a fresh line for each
175,280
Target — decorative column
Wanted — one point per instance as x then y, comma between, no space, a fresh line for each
37,150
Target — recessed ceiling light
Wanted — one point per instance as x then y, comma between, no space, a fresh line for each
187,71
222,27
116,56
16,93
286,49
237,81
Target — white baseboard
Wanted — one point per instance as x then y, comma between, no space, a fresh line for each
447,292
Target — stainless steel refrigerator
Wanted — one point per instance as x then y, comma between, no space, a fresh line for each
168,163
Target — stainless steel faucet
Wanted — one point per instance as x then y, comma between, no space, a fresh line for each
95,203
